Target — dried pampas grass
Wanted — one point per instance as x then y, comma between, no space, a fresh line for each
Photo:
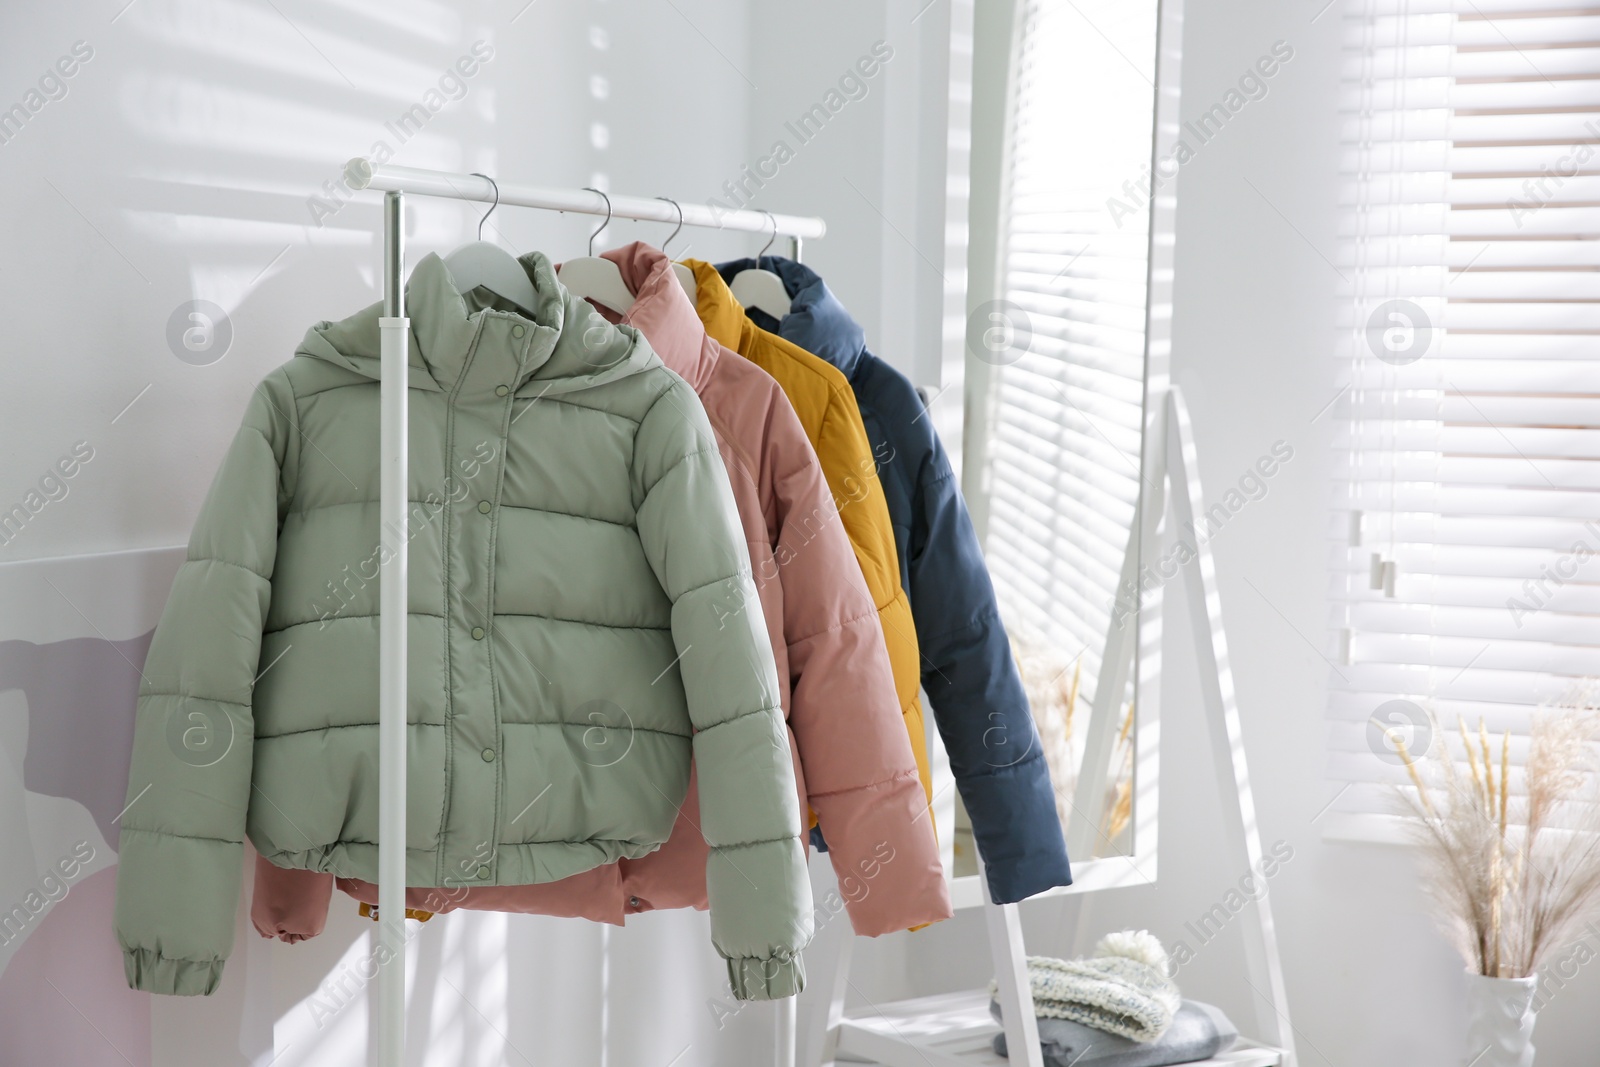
1119,802
1053,686
1052,689
1513,872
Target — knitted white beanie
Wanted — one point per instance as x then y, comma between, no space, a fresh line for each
1122,989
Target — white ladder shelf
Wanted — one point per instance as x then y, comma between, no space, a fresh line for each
956,1029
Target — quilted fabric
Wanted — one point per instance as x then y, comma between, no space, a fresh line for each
574,555
971,679
822,399
854,763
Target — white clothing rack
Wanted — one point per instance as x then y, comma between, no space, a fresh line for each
394,327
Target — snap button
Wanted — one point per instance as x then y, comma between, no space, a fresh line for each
488,755
633,902
483,872
501,390
484,506
517,331
477,633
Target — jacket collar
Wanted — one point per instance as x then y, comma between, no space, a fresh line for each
557,350
662,312
721,315
816,322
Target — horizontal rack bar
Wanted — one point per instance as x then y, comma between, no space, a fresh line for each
361,173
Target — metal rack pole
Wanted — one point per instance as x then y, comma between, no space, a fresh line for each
395,182
363,174
389,945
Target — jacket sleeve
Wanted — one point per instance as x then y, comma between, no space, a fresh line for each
756,879
976,693
288,903
182,839
852,471
859,769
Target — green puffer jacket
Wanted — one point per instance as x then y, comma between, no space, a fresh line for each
582,619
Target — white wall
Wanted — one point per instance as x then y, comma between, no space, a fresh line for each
180,165
876,170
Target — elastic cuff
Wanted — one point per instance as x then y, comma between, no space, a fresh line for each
773,978
154,973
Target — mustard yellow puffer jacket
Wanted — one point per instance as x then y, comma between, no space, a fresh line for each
827,408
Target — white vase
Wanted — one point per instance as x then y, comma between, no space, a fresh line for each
1500,1017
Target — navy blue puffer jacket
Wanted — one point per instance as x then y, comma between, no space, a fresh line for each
971,680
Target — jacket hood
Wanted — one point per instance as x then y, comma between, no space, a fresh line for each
662,312
563,347
817,321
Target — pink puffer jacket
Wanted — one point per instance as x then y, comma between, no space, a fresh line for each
853,760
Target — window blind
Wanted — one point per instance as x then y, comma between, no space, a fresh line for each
1467,485
1067,388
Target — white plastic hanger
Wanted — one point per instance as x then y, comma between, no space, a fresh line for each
594,278
481,263
759,288
686,279
684,275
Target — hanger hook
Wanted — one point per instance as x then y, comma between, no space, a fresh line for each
679,228
604,224
492,206
770,239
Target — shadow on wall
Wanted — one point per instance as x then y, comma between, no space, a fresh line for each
80,695
66,719
253,139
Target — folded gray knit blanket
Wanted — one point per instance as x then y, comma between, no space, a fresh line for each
1198,1032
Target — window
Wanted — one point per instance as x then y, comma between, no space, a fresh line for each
1467,466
